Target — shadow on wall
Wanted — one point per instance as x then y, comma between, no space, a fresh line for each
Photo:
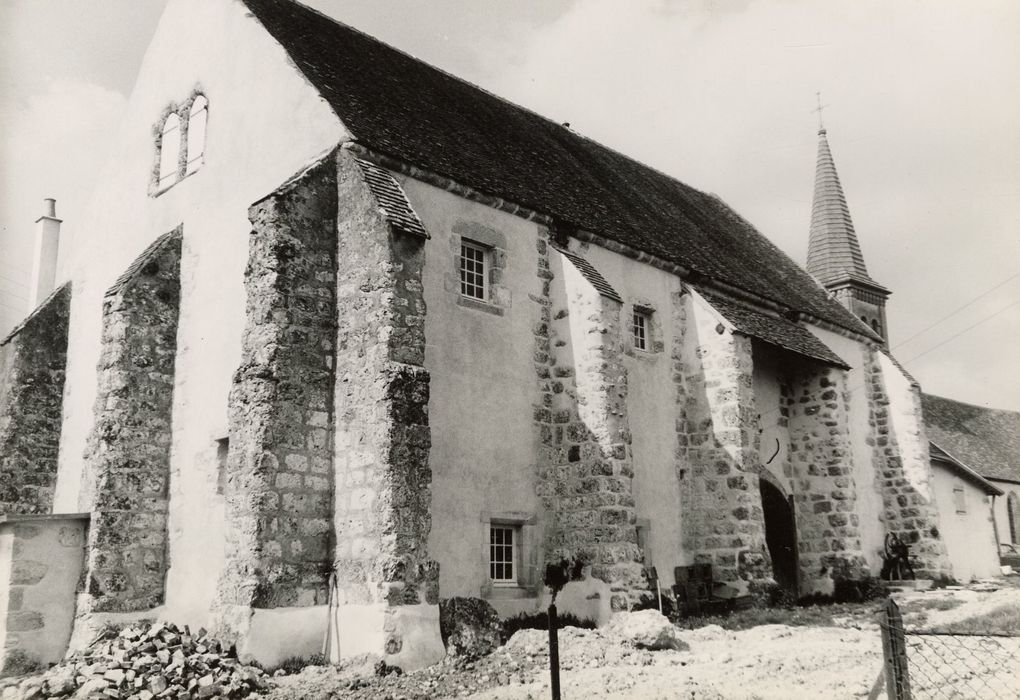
717,448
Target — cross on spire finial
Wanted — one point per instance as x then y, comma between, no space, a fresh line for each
821,126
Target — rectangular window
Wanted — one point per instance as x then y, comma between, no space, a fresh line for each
472,270
641,325
502,559
959,499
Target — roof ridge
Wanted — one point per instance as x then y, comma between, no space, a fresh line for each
434,67
409,110
972,405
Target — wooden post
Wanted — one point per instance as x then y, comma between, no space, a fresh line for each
894,652
554,653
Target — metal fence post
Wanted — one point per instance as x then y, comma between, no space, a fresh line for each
894,652
554,653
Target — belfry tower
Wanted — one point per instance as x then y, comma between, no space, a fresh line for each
834,254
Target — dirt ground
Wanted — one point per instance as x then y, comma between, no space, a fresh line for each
776,661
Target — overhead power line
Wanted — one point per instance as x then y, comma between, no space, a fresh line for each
953,313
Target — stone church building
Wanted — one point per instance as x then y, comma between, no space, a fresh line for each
341,335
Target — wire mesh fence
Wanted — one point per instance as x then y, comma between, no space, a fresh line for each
931,665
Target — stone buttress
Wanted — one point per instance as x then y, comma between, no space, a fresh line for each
903,469
585,463
33,358
717,448
127,457
279,486
382,509
824,490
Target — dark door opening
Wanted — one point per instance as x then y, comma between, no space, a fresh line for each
780,535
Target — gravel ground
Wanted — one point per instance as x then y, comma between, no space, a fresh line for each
770,662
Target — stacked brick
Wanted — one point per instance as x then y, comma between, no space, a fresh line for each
279,486
585,465
127,457
717,446
32,361
825,495
383,477
904,475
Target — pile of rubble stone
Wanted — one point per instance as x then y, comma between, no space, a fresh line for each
142,663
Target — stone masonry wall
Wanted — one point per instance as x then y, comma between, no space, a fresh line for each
41,562
32,362
903,473
585,464
127,456
824,493
717,446
383,479
279,486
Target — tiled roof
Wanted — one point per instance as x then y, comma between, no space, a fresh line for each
403,108
393,203
938,454
148,254
834,254
62,289
985,439
773,329
589,272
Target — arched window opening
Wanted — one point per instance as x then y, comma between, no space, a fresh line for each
170,151
197,118
864,318
875,326
1013,513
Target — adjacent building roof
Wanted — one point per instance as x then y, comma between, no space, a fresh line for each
774,330
834,254
937,454
398,106
985,439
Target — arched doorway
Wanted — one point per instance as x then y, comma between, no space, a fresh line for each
780,535
1013,514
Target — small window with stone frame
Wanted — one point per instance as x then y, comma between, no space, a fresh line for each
641,328
474,263
504,553
959,499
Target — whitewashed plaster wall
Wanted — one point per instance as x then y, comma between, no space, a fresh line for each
483,386
968,535
651,402
774,447
265,123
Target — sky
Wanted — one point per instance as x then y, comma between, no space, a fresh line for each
920,103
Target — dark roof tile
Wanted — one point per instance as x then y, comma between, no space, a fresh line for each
985,439
773,329
397,105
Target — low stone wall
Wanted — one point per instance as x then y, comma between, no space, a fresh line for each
279,484
40,567
127,459
32,364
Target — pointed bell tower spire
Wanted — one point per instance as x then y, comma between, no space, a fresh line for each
834,253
